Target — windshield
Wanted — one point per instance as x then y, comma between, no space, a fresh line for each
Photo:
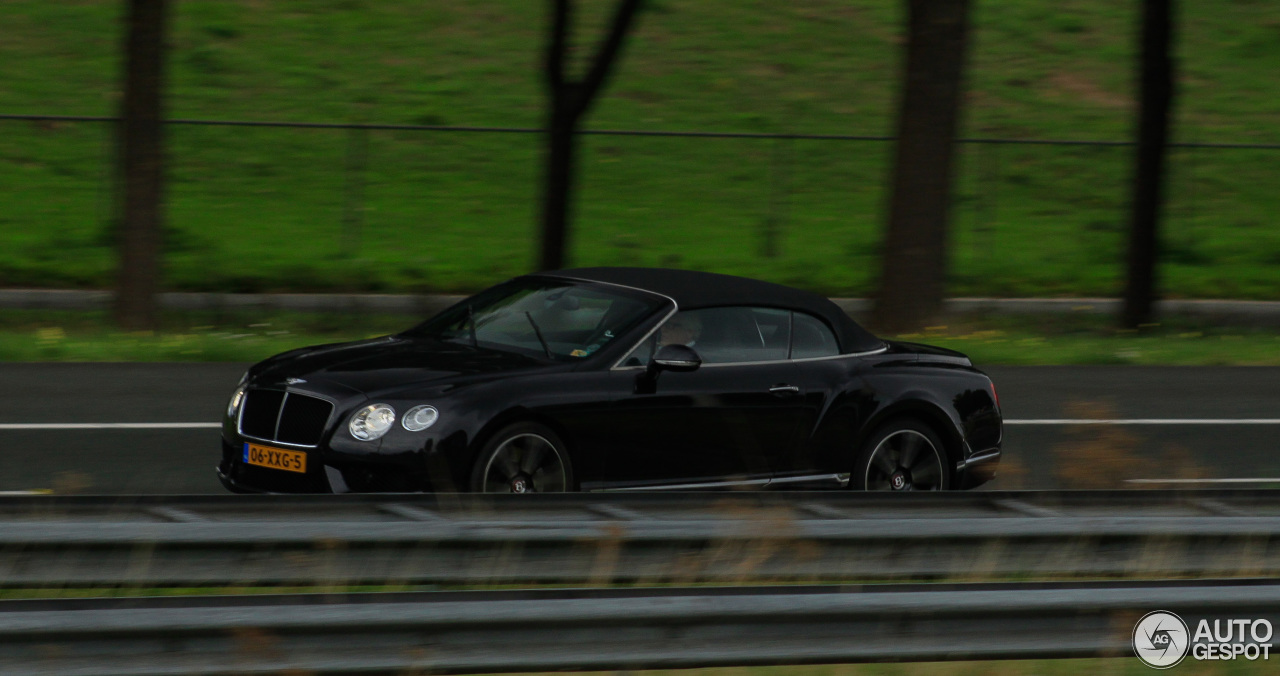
563,321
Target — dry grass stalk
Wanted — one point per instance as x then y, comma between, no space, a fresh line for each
1096,456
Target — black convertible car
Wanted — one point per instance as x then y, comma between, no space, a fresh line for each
615,379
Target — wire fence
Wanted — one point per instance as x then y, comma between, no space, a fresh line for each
347,191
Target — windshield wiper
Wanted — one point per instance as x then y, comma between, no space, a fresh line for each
471,322
538,332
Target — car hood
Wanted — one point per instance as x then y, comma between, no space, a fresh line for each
389,363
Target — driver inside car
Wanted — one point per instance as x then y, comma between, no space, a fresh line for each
682,329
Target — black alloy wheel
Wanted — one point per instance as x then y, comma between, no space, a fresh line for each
903,455
523,458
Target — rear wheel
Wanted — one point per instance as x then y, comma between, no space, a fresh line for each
523,458
902,455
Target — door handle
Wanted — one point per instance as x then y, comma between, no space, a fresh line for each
784,390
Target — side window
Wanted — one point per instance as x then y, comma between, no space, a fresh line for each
729,335
723,335
775,331
642,354
811,338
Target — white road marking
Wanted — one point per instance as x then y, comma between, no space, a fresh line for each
1203,481
109,426
1147,421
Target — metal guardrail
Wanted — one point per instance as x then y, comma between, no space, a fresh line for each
445,632
670,539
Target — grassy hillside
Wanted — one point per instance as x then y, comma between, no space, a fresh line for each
273,209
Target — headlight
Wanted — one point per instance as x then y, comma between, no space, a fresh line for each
233,406
420,418
372,422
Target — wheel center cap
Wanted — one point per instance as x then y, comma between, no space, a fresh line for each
519,485
898,480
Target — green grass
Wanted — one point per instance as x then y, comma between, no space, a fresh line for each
89,336
264,209
243,337
1120,666
1068,339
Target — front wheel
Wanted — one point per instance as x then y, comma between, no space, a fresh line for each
523,458
902,455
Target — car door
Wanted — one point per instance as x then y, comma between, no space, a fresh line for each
728,423
832,403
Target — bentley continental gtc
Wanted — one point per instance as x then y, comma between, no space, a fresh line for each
615,379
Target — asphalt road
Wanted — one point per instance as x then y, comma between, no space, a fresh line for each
1039,453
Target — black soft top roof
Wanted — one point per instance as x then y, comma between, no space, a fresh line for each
693,290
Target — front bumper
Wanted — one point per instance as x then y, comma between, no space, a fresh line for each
235,486
327,472
241,477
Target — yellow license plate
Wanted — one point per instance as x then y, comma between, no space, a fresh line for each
275,458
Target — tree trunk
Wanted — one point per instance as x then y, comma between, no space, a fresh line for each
142,167
569,102
1156,99
914,260
558,186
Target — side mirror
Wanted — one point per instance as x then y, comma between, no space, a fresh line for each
678,358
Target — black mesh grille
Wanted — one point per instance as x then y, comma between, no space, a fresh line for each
303,419
261,408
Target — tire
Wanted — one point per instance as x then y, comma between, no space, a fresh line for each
523,458
880,466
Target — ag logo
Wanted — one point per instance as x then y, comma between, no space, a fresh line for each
1161,639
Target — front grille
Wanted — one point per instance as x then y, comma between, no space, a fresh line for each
261,411
287,417
303,419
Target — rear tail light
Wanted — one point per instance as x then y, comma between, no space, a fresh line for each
994,395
